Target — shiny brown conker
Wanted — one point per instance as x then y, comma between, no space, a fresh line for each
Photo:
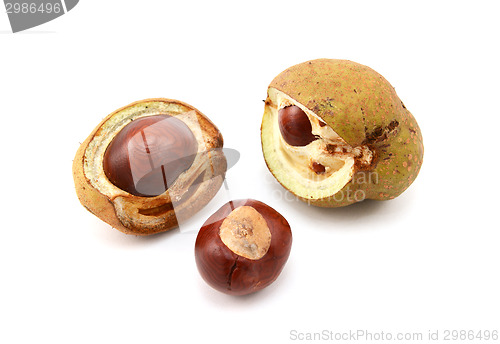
153,123
295,126
148,155
243,247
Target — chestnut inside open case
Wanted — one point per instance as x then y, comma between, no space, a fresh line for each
151,165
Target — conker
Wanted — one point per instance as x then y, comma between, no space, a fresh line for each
243,247
295,126
149,166
148,155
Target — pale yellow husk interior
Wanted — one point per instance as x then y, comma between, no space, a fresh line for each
291,165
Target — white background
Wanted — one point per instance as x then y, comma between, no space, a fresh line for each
428,260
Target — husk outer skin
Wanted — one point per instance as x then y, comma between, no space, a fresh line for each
364,109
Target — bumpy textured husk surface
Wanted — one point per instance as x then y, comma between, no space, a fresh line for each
364,109
102,206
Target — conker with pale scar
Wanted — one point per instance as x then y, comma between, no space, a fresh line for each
149,165
243,247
